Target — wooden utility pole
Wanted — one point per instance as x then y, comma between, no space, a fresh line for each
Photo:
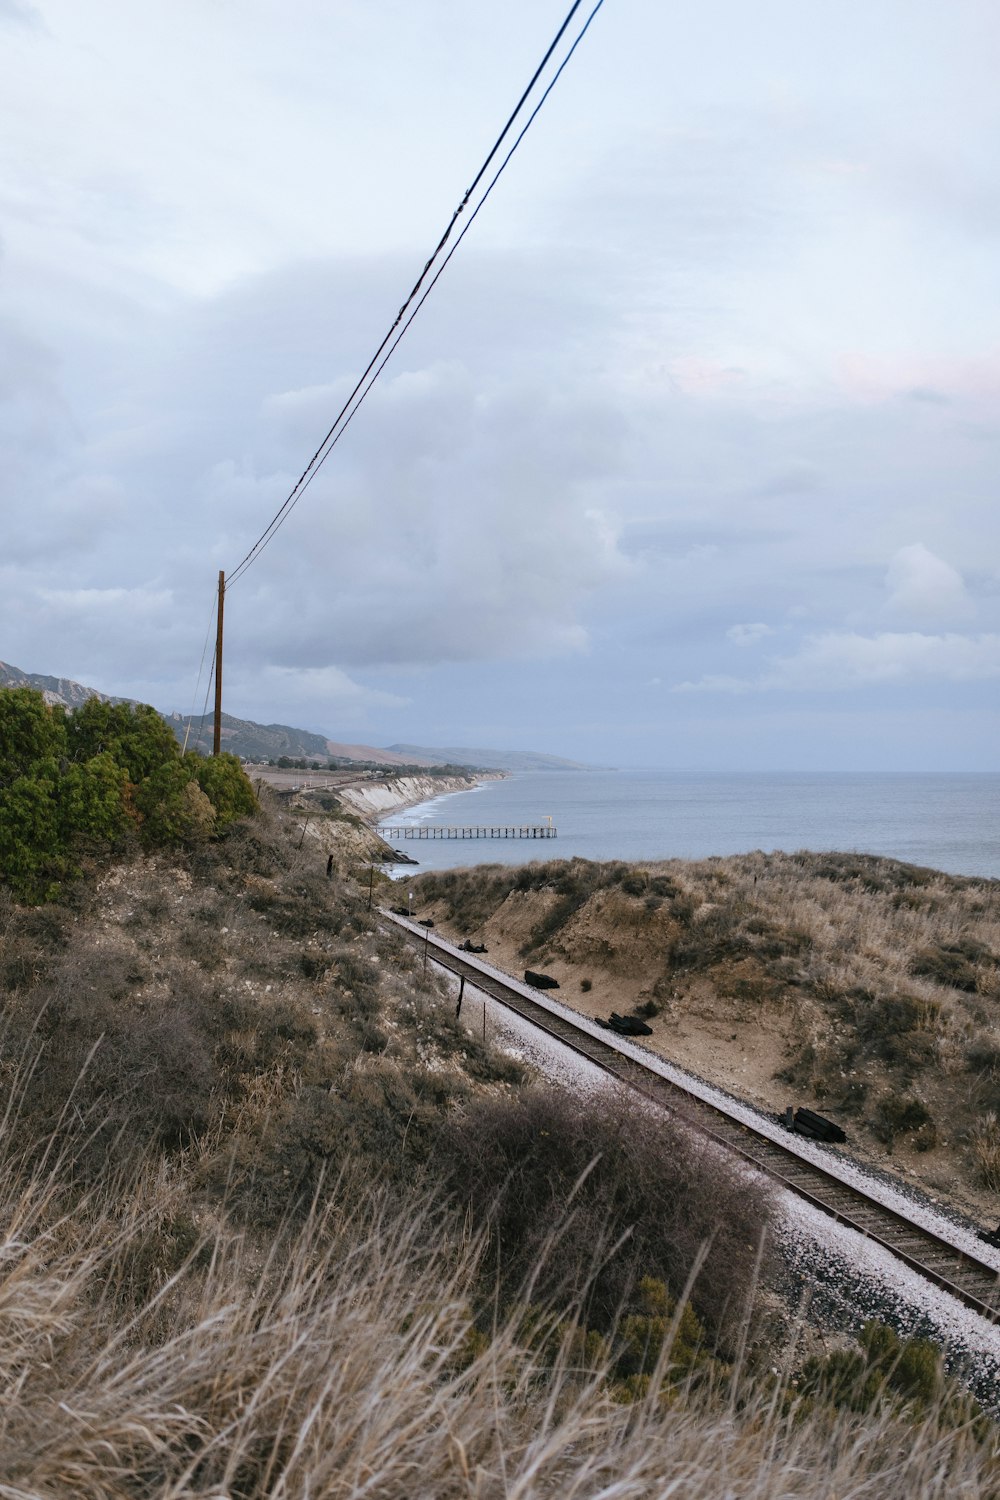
217,731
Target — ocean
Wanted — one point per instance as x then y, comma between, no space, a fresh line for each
946,821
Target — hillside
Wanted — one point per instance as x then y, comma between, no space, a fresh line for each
864,988
55,689
242,737
263,742
500,760
260,1174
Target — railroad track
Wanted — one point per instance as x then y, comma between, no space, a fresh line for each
957,1271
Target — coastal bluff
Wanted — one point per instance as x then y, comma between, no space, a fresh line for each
373,799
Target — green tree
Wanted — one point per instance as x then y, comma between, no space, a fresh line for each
133,734
30,731
93,810
225,783
31,850
80,784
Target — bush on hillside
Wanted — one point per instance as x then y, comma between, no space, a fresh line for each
884,1369
86,785
635,1193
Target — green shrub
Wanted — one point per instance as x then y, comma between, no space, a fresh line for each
222,779
33,857
30,732
78,786
906,1373
136,737
174,808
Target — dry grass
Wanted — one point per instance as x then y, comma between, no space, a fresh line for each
985,1137
884,977
343,1360
220,1275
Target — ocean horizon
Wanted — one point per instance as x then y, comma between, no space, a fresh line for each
947,821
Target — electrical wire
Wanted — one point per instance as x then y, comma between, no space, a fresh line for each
201,668
208,689
377,362
333,440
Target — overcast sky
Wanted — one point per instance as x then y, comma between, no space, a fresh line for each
690,460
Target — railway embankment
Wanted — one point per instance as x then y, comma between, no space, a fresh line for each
866,989
852,1240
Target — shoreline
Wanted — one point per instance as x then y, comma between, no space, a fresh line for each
376,800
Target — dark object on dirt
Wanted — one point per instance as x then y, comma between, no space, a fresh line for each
815,1127
400,911
426,922
468,947
329,867
540,981
989,1236
625,1025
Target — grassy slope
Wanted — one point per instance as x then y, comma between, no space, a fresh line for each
863,987
227,1267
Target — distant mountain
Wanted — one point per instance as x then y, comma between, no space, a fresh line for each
54,689
500,760
269,741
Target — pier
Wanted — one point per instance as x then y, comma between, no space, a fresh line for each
476,831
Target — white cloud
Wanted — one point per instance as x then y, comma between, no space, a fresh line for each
680,332
840,660
20,13
923,588
748,635
328,689
77,605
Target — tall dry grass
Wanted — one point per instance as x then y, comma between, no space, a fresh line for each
884,977
178,1318
342,1361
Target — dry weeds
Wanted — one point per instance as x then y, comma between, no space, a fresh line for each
872,986
346,1362
221,1277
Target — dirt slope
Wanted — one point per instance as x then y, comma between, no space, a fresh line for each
862,987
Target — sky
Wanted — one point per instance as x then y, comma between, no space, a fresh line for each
690,460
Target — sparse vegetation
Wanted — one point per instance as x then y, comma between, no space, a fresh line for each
985,1137
278,1224
517,1163
883,976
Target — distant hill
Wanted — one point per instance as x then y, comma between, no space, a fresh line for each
54,689
500,760
260,742
269,741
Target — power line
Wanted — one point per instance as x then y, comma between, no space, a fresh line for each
332,440
201,668
377,362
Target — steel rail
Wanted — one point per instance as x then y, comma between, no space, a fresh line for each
947,1266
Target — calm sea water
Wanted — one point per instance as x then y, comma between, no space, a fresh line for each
949,822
